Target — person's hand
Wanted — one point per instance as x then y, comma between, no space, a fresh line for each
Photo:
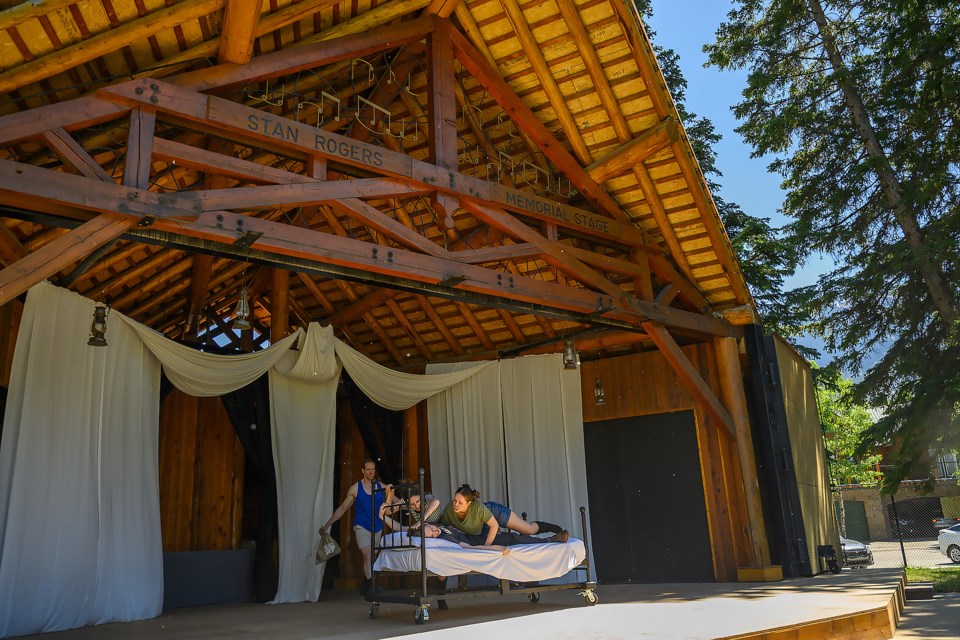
506,552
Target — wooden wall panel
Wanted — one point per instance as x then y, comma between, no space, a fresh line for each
10,315
644,384
201,475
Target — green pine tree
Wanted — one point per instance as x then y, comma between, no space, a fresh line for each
858,101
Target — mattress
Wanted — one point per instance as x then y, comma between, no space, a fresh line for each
523,563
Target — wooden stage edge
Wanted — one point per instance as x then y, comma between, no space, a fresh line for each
855,605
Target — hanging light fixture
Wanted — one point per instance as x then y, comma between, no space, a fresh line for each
240,322
98,328
598,393
571,359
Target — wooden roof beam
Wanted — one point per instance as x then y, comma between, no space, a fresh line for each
369,32
526,120
410,329
65,250
248,125
355,311
11,249
555,97
73,155
471,319
553,253
438,322
104,43
610,104
202,268
315,290
685,371
472,30
442,108
237,33
632,153
335,252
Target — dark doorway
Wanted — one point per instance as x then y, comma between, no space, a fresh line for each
647,512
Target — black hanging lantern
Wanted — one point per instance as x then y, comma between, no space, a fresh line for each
98,328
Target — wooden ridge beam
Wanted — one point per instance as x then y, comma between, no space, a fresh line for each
237,33
686,372
634,152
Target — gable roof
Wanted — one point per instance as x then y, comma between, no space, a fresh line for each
532,180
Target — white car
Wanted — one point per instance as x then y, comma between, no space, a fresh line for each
949,540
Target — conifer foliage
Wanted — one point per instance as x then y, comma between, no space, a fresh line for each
858,101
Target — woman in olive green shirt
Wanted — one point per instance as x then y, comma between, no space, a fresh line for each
469,515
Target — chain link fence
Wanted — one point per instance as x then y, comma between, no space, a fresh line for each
904,529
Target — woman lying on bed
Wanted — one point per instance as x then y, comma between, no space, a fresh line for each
467,514
500,541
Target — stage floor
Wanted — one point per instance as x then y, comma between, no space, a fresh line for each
861,604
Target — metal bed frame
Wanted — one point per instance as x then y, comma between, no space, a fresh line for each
422,599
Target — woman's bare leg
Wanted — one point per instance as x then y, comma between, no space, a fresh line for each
518,524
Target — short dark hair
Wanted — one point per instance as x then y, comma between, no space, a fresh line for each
364,463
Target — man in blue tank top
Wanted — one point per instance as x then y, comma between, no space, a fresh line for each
366,523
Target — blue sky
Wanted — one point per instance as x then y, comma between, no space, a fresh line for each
711,93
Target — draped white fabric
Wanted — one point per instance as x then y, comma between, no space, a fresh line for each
543,423
397,390
206,374
303,413
79,500
465,428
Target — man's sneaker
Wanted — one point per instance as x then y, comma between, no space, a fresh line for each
563,536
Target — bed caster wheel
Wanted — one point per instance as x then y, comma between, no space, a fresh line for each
535,597
374,611
421,615
590,598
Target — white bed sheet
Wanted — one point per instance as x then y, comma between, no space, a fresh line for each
524,563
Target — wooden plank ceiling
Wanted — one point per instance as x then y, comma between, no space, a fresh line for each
437,180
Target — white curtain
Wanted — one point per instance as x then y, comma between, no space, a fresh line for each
543,423
80,538
303,412
79,501
397,390
465,427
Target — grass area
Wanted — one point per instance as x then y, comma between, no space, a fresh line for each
944,580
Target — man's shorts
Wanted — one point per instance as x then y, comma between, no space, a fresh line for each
500,511
363,537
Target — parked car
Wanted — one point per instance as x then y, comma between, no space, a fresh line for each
855,554
949,540
942,523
